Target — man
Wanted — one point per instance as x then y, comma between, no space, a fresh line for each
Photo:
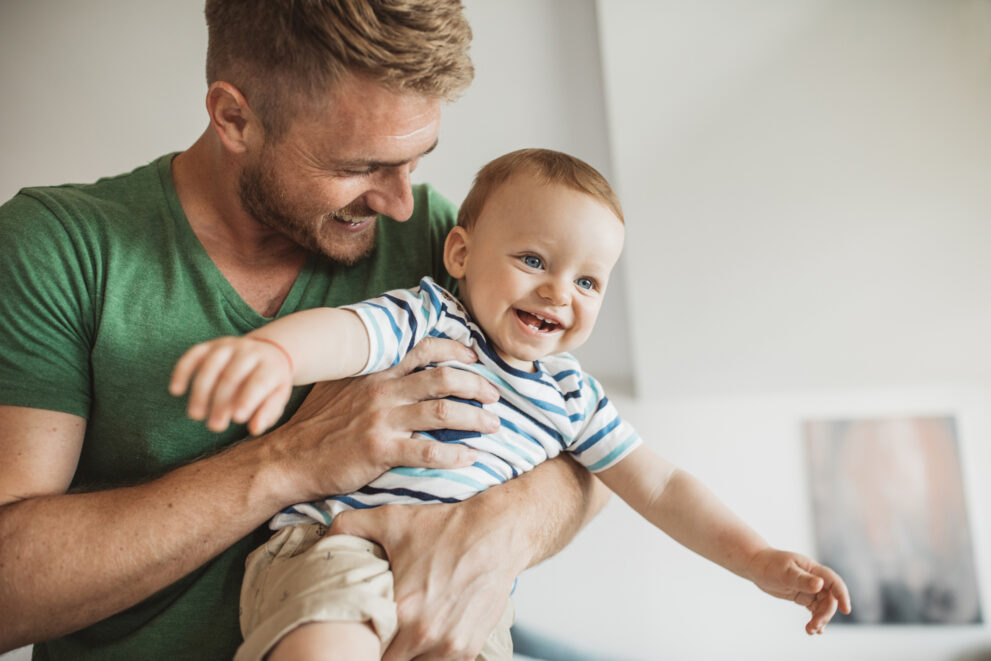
124,526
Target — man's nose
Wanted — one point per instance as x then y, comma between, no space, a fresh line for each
392,194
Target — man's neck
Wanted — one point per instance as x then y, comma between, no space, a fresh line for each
260,264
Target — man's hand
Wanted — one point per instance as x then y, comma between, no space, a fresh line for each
800,579
454,565
348,432
454,568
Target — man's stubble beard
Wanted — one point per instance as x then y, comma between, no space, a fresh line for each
262,198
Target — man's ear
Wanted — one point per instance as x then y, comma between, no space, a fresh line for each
456,252
232,118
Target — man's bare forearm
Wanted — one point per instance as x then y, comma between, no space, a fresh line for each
586,496
549,505
69,560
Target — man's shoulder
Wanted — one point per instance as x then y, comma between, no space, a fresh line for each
76,203
429,205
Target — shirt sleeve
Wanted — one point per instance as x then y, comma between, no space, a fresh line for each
46,313
606,438
396,321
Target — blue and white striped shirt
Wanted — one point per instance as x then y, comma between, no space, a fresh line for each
556,408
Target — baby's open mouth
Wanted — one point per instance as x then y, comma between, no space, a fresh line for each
537,322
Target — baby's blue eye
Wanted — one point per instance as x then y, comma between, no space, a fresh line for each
533,261
585,283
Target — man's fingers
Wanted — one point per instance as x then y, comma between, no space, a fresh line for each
369,524
444,381
433,350
446,414
427,453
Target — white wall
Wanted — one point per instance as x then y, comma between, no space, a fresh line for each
807,182
805,188
97,88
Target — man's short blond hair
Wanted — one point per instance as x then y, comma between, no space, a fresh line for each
547,166
283,55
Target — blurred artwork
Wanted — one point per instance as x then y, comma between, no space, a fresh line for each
890,517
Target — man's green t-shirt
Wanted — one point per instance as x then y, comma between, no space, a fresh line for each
102,287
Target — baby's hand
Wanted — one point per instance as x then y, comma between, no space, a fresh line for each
234,378
802,580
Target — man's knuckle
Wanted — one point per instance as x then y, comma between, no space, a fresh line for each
376,421
454,649
420,635
430,453
448,377
414,354
377,445
442,409
378,389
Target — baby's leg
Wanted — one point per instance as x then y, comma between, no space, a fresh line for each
329,641
333,594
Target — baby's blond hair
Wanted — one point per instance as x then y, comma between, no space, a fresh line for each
547,165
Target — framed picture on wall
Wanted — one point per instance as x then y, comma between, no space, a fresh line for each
890,516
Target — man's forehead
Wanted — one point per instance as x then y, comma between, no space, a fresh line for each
366,161
357,101
383,128
362,144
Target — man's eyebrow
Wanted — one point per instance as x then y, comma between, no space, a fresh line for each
383,164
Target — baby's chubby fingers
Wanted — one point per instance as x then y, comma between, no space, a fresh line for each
804,581
254,389
832,596
268,411
836,586
186,367
205,379
228,395
823,608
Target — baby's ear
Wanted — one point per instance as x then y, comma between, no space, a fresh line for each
456,252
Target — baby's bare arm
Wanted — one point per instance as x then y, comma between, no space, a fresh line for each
324,344
681,506
249,379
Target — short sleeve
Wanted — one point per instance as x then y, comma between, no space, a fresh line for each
46,311
606,438
396,321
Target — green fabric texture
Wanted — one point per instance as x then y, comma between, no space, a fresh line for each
104,286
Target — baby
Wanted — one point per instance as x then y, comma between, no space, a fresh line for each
537,238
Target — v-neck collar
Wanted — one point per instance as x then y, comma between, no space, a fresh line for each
196,252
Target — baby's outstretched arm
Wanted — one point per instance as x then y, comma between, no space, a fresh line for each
249,379
685,509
